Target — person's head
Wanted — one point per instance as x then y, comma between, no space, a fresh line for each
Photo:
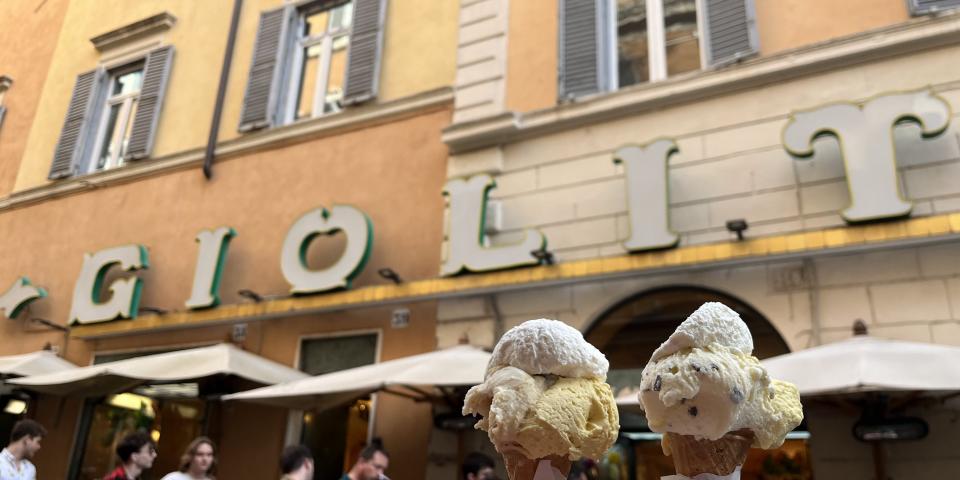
137,449
372,462
296,458
200,457
28,434
477,466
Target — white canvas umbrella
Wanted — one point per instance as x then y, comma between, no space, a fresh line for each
34,363
178,366
867,364
462,365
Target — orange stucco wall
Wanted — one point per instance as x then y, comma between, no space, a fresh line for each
786,24
532,55
28,34
393,172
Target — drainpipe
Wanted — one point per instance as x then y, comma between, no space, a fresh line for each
221,90
810,271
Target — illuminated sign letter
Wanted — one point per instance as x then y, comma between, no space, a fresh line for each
467,214
293,261
865,133
648,197
125,292
18,296
210,260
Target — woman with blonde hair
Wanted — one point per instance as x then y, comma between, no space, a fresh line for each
199,461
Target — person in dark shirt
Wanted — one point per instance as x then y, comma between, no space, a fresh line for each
136,452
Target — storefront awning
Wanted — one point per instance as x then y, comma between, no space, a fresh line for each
864,364
34,363
179,366
456,366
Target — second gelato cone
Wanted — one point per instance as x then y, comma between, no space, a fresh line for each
721,457
519,467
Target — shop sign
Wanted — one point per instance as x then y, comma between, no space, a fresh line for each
864,131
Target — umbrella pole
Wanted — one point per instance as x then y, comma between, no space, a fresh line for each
879,461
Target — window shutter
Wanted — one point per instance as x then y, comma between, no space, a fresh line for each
70,147
922,7
260,99
730,30
583,52
366,43
155,74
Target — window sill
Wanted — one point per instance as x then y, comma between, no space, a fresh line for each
507,127
305,130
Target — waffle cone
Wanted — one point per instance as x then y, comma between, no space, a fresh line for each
720,457
519,467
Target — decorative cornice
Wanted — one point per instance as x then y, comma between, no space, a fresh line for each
141,28
351,119
851,239
908,37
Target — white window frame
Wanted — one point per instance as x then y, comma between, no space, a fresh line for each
299,45
126,102
656,41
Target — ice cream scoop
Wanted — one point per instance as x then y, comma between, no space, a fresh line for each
703,383
545,397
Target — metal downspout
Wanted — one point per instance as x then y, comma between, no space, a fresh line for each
221,91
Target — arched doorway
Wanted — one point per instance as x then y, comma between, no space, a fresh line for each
628,333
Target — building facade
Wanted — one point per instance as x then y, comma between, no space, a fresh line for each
638,138
329,184
327,166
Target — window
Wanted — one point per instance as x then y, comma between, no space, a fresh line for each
118,111
336,435
648,52
313,58
319,64
113,115
610,44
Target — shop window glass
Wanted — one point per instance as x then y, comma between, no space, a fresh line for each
336,435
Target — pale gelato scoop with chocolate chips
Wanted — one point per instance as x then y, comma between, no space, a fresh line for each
704,382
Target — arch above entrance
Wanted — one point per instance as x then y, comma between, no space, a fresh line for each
629,331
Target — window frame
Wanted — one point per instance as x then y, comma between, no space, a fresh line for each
297,46
656,43
105,103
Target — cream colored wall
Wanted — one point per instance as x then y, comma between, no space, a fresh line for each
198,36
419,53
786,24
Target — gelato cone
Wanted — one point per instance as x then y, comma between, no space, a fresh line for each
521,467
711,398
692,456
545,397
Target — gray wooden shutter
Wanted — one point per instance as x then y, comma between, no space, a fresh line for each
156,71
922,7
363,59
583,50
730,31
71,145
260,99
